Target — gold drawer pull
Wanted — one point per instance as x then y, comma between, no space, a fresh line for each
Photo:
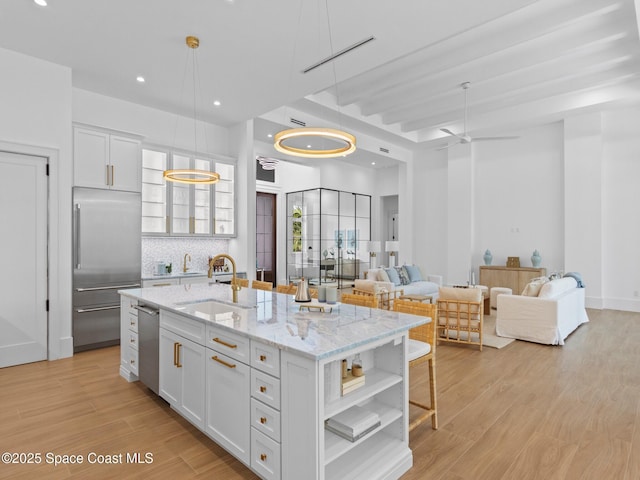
263,420
230,345
263,358
263,388
133,340
132,323
133,361
222,362
263,457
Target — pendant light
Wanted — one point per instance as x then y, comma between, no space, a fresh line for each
190,175
342,143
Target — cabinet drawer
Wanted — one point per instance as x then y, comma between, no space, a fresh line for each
229,343
265,419
265,455
266,358
183,326
161,282
131,306
132,325
132,339
265,388
132,360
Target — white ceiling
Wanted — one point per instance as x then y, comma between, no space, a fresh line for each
528,61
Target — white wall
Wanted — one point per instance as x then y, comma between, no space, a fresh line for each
35,118
583,192
519,198
621,209
429,222
156,126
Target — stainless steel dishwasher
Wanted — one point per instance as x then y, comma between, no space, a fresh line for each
148,346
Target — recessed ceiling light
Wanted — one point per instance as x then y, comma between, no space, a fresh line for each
140,79
308,146
373,163
270,136
217,103
42,3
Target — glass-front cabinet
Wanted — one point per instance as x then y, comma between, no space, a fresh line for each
171,208
327,235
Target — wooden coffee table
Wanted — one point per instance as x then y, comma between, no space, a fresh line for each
417,298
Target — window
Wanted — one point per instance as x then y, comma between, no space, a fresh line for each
171,208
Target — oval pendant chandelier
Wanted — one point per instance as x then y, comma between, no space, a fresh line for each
338,142
190,175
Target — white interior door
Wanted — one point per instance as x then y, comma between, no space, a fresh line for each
23,285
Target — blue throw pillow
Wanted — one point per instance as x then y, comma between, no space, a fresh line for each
414,273
404,277
393,276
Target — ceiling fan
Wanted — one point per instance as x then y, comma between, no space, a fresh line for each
464,137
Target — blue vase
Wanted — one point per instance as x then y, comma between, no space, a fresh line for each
536,259
487,257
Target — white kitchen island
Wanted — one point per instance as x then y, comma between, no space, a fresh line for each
260,378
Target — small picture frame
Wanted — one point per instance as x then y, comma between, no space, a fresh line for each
513,262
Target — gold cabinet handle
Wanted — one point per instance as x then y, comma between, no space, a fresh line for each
222,342
263,420
223,362
113,175
161,284
263,389
176,354
133,340
263,358
263,457
108,182
132,323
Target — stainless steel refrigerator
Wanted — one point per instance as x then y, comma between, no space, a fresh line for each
106,258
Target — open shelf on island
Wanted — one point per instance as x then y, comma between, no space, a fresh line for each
371,459
377,381
335,445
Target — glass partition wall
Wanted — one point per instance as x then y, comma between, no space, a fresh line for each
327,235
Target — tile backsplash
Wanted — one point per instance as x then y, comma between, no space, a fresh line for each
172,250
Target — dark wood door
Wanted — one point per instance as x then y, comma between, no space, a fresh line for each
266,236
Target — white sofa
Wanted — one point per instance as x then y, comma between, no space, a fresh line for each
376,282
548,318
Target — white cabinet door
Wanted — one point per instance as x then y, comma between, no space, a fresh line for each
102,160
90,158
169,381
182,376
228,404
125,158
192,358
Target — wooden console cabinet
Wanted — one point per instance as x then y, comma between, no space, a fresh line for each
509,277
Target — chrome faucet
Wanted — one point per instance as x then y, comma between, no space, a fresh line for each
184,267
235,286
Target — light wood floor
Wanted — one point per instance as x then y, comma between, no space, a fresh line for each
526,411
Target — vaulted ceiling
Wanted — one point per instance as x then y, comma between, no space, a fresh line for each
527,61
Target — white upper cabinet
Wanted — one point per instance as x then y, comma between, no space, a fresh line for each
107,161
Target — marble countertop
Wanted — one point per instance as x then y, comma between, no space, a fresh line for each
276,318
